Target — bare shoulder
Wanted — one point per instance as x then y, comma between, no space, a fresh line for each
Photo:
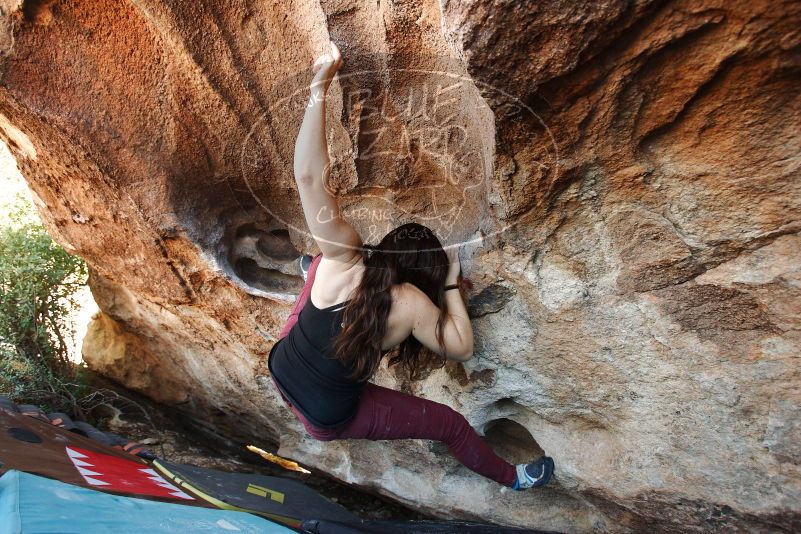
408,297
334,280
406,301
403,293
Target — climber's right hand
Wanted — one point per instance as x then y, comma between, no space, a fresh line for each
325,67
454,265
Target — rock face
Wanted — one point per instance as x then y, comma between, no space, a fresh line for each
633,168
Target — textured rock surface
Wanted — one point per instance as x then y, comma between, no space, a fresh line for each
633,165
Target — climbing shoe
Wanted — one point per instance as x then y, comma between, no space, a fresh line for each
535,474
305,263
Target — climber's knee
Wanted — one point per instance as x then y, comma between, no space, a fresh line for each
455,425
456,418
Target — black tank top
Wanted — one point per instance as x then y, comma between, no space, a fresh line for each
307,372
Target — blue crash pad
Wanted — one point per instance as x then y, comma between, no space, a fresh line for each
32,504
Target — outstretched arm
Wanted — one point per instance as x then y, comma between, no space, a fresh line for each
336,238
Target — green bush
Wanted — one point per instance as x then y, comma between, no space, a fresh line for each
38,284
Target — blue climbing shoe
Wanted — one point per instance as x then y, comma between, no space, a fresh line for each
535,474
305,263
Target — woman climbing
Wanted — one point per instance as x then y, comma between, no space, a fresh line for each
361,302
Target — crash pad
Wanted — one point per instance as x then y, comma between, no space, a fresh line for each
30,503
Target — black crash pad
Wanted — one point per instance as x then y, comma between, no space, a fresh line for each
277,498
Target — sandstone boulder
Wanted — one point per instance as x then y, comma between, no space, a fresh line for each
627,175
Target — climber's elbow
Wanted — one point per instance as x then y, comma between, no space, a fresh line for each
467,353
304,177
462,355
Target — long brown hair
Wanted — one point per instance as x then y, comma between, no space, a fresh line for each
410,253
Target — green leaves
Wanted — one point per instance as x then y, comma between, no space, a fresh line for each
38,284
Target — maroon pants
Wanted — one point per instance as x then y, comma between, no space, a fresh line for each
388,414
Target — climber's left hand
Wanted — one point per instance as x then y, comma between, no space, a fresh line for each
325,67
